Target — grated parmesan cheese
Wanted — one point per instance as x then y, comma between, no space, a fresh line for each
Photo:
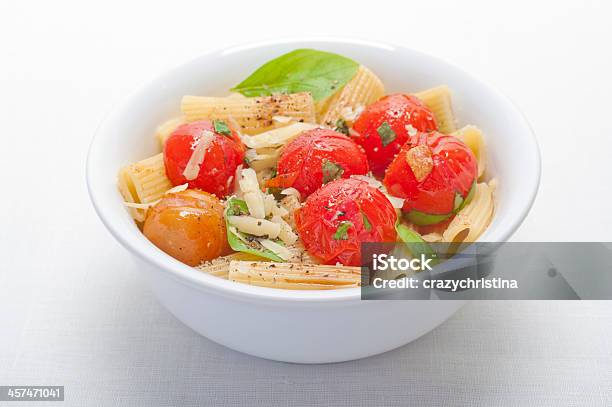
254,226
396,202
178,188
280,251
277,137
252,194
292,192
237,175
192,169
411,130
286,233
349,114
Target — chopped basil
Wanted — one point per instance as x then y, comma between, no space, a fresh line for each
331,171
415,243
302,70
366,222
386,133
221,127
342,127
243,242
236,207
342,230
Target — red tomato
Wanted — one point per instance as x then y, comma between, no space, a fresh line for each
224,154
317,157
385,125
434,173
339,216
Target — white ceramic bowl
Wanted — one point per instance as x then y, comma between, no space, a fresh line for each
298,326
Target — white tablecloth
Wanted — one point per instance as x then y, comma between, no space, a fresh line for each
75,312
107,340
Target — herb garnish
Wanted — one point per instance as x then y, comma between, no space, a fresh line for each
342,230
303,70
221,127
386,133
331,171
243,242
366,222
342,127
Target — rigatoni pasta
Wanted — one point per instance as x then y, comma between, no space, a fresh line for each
220,266
472,220
143,182
164,130
472,137
253,115
294,276
364,89
438,99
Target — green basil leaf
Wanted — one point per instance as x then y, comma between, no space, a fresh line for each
303,70
423,219
415,243
342,230
341,127
386,133
242,242
221,127
331,171
366,222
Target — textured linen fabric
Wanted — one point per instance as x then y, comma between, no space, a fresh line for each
108,341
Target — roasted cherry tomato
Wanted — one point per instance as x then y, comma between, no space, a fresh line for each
215,151
317,157
435,173
339,216
385,125
189,226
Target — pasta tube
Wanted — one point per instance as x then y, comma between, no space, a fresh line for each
438,99
143,182
294,276
472,220
364,89
165,129
253,115
219,267
472,137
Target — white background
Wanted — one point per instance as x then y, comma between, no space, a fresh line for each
74,311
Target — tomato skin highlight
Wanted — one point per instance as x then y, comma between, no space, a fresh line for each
454,172
223,156
316,157
399,111
372,219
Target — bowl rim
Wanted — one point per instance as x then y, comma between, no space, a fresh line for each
202,281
